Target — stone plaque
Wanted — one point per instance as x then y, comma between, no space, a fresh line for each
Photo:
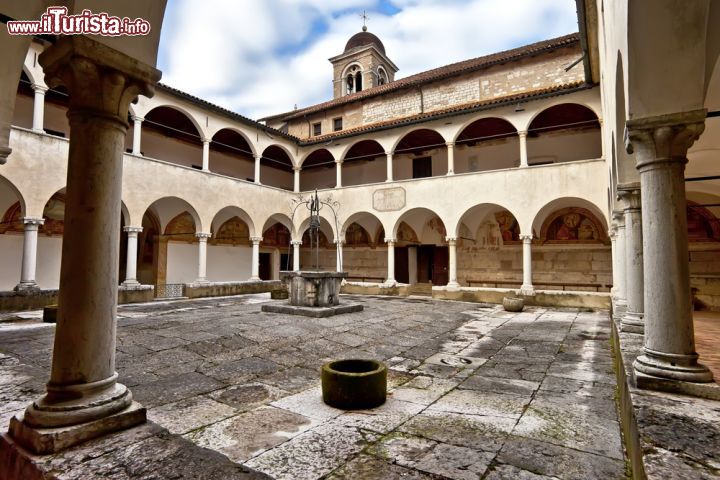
389,199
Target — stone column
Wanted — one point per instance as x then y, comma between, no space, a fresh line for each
206,155
522,135
202,257
338,173
255,267
137,134
632,320
660,145
527,287
296,254
258,157
339,255
84,399
621,298
452,260
131,266
613,252
391,261
296,179
412,265
389,166
29,259
451,157
38,107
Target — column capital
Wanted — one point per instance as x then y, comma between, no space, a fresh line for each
137,118
389,154
629,195
37,221
132,229
256,240
526,237
257,156
296,168
339,161
612,233
390,240
99,79
202,236
296,242
206,141
665,138
340,242
451,240
450,144
41,89
522,133
618,218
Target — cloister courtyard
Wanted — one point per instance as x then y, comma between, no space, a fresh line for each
475,392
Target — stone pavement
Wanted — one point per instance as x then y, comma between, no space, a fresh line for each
476,392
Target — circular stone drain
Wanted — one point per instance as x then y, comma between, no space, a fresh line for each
456,361
354,384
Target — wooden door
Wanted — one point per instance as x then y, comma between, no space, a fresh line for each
265,270
441,262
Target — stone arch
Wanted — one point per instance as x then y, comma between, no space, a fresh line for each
564,132
418,219
485,117
10,194
167,208
252,150
414,138
178,108
488,143
367,221
278,160
316,157
280,218
573,225
541,217
491,225
231,211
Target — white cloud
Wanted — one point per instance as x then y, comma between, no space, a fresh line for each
260,57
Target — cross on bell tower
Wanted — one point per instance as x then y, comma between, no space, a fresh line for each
365,18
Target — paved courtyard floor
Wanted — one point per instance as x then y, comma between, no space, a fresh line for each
476,392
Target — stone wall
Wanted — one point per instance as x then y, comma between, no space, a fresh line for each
230,288
14,301
705,275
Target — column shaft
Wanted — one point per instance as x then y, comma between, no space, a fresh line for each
522,135
391,261
621,299
296,254
202,257
255,268
296,179
451,158
338,173
632,320
452,261
131,265
206,156
137,135
660,145
527,287
389,166
39,108
257,168
29,258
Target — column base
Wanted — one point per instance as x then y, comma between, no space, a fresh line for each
683,368
619,309
453,286
130,283
200,282
49,440
526,291
254,279
632,322
31,286
390,283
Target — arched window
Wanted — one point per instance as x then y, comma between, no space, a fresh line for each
350,84
382,76
358,82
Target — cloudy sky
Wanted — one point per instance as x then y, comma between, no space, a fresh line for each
259,57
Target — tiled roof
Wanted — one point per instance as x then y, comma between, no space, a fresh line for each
438,74
223,111
451,111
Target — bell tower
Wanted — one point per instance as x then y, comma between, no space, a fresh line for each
363,65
